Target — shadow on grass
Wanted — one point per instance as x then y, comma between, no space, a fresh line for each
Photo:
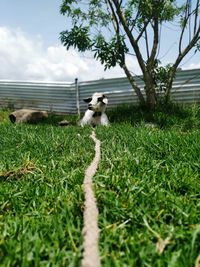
185,117
55,119
164,116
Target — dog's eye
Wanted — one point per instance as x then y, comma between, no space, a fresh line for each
100,99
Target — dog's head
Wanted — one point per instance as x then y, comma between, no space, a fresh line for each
97,102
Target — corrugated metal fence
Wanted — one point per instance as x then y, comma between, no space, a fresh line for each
68,97
57,97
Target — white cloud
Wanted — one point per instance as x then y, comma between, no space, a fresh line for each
24,58
192,66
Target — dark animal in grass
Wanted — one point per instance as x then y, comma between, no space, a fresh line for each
27,116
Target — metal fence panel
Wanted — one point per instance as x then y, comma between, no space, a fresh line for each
186,89
68,97
118,91
56,97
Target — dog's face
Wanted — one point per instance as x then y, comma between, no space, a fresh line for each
97,102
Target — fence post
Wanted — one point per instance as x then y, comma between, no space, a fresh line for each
77,96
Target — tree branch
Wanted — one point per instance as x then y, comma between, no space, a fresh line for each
134,85
136,17
130,36
155,40
192,43
147,44
196,15
180,57
186,18
126,70
114,17
143,30
115,25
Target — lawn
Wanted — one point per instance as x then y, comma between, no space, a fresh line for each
147,189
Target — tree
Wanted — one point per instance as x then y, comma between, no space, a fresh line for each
114,28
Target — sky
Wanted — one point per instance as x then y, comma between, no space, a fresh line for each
30,48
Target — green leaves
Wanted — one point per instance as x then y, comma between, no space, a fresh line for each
164,10
65,8
197,47
161,76
78,38
112,28
110,53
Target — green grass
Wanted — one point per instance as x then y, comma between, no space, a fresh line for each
147,187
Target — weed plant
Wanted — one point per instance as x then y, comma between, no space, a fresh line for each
147,188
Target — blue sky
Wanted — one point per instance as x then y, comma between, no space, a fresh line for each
30,48
35,17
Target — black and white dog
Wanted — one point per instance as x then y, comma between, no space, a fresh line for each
95,114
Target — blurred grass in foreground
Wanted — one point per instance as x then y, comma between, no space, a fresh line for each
147,188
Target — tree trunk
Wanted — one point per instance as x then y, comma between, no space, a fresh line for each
169,84
134,86
151,98
150,91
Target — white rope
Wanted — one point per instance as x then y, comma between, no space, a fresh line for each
91,256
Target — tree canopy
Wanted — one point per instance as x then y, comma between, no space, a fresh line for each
111,29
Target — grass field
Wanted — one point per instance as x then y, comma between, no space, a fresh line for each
147,188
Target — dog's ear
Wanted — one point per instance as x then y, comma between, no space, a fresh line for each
87,100
105,100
